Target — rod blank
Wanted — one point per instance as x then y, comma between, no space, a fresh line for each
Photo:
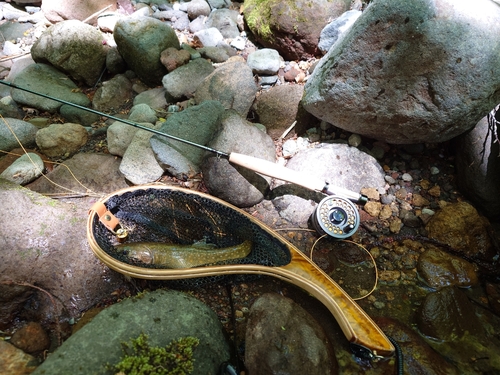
255,164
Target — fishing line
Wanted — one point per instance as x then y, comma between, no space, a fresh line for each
88,190
362,247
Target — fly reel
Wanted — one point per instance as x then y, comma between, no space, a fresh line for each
336,216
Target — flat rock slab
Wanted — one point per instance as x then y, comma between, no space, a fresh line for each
43,242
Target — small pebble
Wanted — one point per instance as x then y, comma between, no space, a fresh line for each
354,140
407,177
434,170
390,180
387,198
428,211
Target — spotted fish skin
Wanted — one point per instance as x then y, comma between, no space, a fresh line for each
182,256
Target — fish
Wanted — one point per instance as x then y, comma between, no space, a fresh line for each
182,256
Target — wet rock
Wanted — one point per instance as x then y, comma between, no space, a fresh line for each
493,292
410,219
183,81
85,352
447,314
292,27
196,124
232,84
12,299
25,169
24,131
237,185
439,269
47,80
460,226
61,140
431,107
283,338
72,47
14,361
113,94
277,108
140,40
478,166
31,338
418,356
373,208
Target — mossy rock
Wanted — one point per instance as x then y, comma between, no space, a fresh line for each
163,316
292,27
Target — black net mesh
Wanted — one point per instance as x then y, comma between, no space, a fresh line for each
177,217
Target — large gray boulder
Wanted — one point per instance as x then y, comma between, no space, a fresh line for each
72,47
141,40
43,242
162,315
411,71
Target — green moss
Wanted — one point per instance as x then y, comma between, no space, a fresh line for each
139,358
259,18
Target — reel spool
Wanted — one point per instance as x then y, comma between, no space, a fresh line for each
336,216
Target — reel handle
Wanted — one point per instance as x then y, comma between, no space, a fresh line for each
274,170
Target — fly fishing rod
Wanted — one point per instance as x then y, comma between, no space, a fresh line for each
335,215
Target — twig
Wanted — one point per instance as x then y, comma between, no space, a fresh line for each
10,57
285,133
96,13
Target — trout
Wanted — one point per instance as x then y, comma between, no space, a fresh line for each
182,256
